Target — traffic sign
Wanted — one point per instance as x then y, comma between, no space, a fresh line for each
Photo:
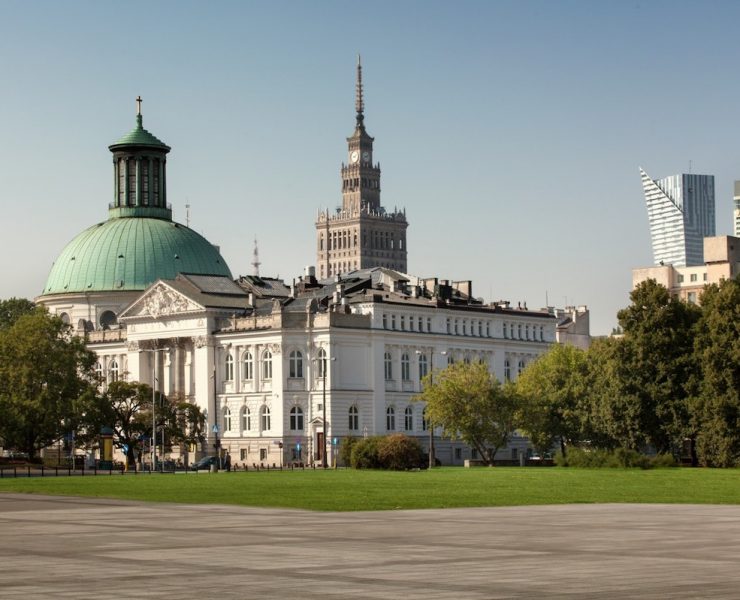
215,429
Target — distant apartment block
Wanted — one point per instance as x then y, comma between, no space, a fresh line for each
722,261
681,214
737,209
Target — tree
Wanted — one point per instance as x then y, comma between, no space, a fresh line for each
614,415
657,358
46,382
126,407
470,404
12,309
552,393
123,407
717,347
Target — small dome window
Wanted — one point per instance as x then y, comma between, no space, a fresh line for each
108,319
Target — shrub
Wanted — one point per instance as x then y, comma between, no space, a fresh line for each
364,454
345,450
399,452
621,457
660,461
396,452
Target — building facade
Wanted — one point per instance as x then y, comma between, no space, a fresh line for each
361,233
722,261
681,214
286,373
736,212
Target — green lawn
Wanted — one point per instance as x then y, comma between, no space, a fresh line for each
348,490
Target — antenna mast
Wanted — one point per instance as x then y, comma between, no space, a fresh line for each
256,259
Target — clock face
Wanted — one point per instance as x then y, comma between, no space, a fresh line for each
354,156
366,156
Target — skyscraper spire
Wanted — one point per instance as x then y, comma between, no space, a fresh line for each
359,102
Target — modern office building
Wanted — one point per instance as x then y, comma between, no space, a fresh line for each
361,233
681,214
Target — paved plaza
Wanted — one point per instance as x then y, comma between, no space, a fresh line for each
54,547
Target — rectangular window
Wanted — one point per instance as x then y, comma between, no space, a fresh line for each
131,182
693,277
243,454
474,454
263,453
458,453
680,279
429,325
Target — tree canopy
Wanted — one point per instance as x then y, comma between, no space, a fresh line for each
552,397
470,404
46,381
12,309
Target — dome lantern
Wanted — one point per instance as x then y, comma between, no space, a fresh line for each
140,177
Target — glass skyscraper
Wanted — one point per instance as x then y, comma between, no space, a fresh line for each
681,214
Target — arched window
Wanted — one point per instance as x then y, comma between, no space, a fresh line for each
354,418
423,366
526,332
507,370
113,370
267,365
99,372
388,361
248,365
246,419
321,359
265,419
229,371
408,419
542,333
521,367
450,359
390,418
424,420
506,331
295,361
296,418
466,359
227,419
64,317
405,367
519,332
107,319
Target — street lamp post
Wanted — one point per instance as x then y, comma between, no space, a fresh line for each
154,351
432,461
323,363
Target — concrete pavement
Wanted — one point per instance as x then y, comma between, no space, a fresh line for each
54,547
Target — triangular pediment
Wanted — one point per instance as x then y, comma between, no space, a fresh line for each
161,300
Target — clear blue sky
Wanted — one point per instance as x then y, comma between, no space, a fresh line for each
511,132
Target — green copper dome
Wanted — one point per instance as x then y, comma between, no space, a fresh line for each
130,254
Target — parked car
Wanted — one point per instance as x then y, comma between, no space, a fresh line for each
204,463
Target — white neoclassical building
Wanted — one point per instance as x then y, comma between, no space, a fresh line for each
252,354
